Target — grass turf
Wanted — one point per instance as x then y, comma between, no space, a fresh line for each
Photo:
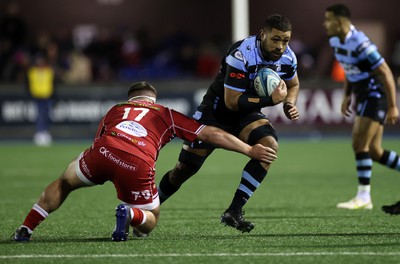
293,210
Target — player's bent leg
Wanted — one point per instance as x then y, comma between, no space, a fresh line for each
190,161
56,193
253,174
50,200
388,158
364,131
151,220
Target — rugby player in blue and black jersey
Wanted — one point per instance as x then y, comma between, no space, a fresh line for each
370,79
232,104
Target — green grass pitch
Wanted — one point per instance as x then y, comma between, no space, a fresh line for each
293,210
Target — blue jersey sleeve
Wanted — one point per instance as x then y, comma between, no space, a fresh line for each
370,55
236,77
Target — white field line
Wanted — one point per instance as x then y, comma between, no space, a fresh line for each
276,254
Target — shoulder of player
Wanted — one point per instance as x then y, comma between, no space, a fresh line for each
246,46
361,42
289,55
245,53
288,58
334,41
358,36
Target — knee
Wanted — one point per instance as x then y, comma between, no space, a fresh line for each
265,135
273,144
359,146
270,142
376,153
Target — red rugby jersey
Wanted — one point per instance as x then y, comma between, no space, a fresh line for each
142,128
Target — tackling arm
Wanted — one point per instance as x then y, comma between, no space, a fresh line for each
227,141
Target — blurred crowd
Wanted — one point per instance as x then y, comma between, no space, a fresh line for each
87,54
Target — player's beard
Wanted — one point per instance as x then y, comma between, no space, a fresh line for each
274,55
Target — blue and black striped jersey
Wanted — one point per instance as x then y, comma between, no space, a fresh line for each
239,67
246,59
357,55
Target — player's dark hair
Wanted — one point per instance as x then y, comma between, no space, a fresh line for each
339,10
278,22
139,87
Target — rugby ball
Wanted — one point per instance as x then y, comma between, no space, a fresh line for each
266,81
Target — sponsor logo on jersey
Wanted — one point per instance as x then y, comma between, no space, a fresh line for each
132,128
238,55
133,140
115,159
350,69
146,194
237,75
85,168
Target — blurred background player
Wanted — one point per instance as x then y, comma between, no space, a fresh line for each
124,151
41,84
370,79
232,104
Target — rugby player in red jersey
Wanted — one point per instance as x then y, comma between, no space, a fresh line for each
124,152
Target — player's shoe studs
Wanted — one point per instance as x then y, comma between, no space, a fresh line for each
123,219
393,209
22,234
236,220
355,203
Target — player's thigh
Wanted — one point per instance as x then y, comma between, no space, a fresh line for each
70,178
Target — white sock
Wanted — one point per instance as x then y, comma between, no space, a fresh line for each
364,192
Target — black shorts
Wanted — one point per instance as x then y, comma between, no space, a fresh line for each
372,107
232,124
370,99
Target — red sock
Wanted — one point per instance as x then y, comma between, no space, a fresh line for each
138,218
35,216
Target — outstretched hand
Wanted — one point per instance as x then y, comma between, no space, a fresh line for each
262,153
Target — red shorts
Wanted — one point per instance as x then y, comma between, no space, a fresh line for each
132,177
